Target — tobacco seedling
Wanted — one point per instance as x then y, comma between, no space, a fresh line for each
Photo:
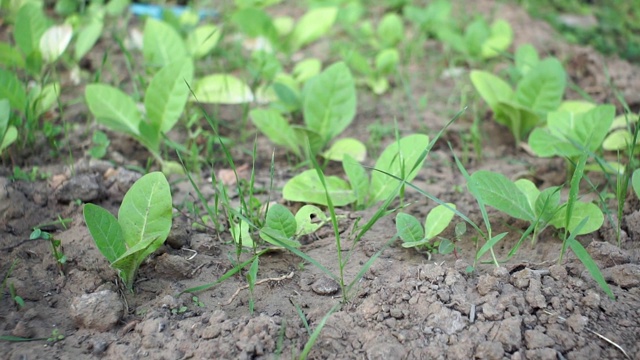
164,102
522,200
478,40
402,159
56,247
328,108
18,300
415,235
620,135
538,92
8,132
143,224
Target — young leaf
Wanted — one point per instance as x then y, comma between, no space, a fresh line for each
307,187
635,182
54,42
240,234
203,39
10,136
548,203
330,101
87,38
518,119
499,40
312,26
391,30
13,90
105,231
306,69
542,88
347,146
167,94
11,57
409,229
276,128
526,58
581,210
491,88
145,213
222,89
309,219
5,113
529,189
357,178
161,44
398,159
31,23
282,220
498,191
437,220
387,61
113,108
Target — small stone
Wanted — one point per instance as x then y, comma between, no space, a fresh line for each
325,286
591,299
501,273
99,311
173,266
558,272
489,350
83,187
396,313
23,330
607,254
179,235
99,346
521,278
577,322
486,284
536,339
625,276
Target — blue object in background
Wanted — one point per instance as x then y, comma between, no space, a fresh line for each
155,11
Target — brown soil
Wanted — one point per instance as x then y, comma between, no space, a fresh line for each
405,307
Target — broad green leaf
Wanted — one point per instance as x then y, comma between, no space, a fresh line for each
5,114
255,23
281,219
167,94
635,182
501,193
409,228
499,40
161,44
240,234
306,69
145,213
542,88
30,24
357,178
387,61
567,132
113,108
105,231
475,34
10,56
529,189
307,187
10,136
203,39
518,119
446,247
284,25
398,159
54,42
391,30
13,89
222,89
576,106
621,121
526,58
276,128
312,26
330,101
46,99
547,203
309,219
437,220
492,89
581,210
618,140
87,38
346,146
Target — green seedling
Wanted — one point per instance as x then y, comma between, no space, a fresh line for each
329,106
620,135
8,132
569,134
414,235
281,226
56,247
635,182
478,40
431,18
143,224
522,200
100,145
402,159
538,92
18,300
164,102
56,336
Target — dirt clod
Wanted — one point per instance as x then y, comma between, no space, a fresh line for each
100,310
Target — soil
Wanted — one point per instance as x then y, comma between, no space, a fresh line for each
406,306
